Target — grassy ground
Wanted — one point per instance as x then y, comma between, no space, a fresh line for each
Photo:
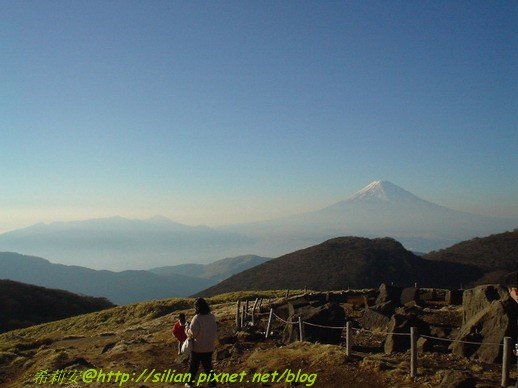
134,337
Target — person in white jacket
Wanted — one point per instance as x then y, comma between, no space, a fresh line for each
203,330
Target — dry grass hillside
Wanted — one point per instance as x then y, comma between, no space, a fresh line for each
134,337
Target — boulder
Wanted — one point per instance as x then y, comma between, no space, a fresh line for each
388,293
439,331
458,379
402,324
358,300
453,297
397,343
490,315
408,295
412,307
427,294
424,344
228,339
374,320
476,299
330,314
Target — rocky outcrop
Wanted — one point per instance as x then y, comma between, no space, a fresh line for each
377,317
408,295
314,310
401,324
388,293
454,297
489,316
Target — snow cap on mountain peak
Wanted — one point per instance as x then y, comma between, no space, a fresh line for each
385,191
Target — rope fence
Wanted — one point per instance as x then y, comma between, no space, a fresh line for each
242,313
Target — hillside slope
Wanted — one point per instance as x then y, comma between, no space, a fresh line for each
497,251
23,305
120,287
496,255
348,262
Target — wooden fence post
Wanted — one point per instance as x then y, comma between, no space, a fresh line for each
238,311
269,323
348,339
301,330
242,316
253,311
413,352
505,362
287,294
246,306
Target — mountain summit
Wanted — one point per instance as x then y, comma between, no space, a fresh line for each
384,191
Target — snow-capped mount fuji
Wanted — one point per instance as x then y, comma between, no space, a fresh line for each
385,191
380,209
382,196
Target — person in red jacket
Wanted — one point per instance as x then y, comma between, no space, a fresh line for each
179,331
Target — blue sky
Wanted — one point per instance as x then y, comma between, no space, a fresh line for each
222,112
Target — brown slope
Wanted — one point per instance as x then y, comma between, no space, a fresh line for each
347,262
23,305
491,253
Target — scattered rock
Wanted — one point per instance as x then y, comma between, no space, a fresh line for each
402,324
108,346
438,331
476,299
458,379
73,337
428,295
397,343
412,307
249,336
378,316
229,339
454,297
78,363
58,360
424,344
330,314
489,316
408,295
388,293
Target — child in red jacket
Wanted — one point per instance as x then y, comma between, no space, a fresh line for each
179,331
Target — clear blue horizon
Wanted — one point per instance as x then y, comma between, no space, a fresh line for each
224,112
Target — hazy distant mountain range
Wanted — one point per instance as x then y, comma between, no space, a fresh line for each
378,210
216,271
126,286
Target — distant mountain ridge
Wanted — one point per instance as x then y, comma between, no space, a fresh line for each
117,243
120,287
23,305
379,209
215,271
126,286
345,262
